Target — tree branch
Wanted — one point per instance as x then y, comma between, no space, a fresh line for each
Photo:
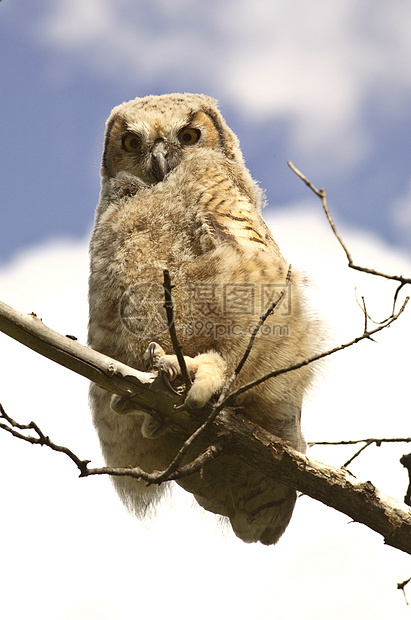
250,443
401,586
169,308
369,442
331,486
171,473
15,428
322,194
405,460
105,371
275,373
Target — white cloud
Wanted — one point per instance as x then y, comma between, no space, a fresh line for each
319,64
69,550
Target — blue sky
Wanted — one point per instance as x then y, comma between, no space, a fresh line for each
327,85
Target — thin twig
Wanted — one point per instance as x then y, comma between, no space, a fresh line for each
368,316
171,473
350,442
221,402
174,472
169,307
178,349
189,442
396,295
197,464
364,308
270,310
322,194
41,439
275,373
405,460
354,456
401,586
262,320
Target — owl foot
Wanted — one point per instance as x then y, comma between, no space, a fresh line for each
151,426
207,370
123,404
154,357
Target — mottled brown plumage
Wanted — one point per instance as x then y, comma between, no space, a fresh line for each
176,195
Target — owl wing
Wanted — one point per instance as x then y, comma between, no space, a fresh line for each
233,217
242,224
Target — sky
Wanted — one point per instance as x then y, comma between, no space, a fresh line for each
325,84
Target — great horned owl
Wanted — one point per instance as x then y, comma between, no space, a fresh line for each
176,194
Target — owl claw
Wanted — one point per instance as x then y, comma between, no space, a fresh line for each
151,349
183,407
207,369
155,358
123,404
152,355
166,380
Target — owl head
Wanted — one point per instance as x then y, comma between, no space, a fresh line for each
148,137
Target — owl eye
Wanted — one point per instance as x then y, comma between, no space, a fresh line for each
130,142
189,136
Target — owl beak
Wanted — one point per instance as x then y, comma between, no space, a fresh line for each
159,163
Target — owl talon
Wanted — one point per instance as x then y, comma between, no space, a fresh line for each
123,404
166,379
151,349
182,407
155,358
152,355
207,369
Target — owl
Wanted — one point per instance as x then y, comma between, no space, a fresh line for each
176,195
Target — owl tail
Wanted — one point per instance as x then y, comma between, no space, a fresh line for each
259,508
262,515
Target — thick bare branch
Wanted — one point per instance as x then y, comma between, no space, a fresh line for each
106,372
334,487
250,443
361,501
